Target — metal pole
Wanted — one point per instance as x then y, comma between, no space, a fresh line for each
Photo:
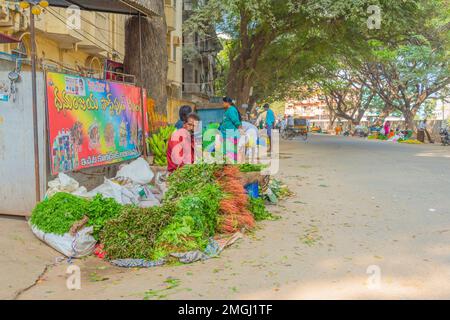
140,51
34,108
141,74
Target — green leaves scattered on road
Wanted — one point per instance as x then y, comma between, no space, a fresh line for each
94,277
311,236
171,283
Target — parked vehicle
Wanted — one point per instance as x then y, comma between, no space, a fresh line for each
288,133
301,127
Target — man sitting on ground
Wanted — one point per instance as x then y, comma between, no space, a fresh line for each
181,147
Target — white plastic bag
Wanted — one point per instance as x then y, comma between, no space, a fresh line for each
122,194
63,183
138,171
78,246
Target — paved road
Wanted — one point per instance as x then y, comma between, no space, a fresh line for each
360,206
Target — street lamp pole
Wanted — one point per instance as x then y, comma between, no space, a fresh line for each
34,108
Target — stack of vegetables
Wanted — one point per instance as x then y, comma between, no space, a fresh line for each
159,143
205,199
202,200
233,207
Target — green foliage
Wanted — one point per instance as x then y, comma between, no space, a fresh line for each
134,232
187,180
100,210
58,214
259,210
196,218
280,41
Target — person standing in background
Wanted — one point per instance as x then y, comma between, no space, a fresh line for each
422,130
230,127
270,123
387,128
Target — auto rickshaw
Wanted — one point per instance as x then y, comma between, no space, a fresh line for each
301,127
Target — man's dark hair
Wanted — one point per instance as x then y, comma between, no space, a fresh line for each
193,116
184,112
228,100
266,106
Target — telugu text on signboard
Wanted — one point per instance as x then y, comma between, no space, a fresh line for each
92,122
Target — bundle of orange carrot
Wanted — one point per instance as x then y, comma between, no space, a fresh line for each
233,208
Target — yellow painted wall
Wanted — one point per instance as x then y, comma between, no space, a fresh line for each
173,107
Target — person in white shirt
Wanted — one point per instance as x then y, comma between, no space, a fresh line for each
422,128
249,143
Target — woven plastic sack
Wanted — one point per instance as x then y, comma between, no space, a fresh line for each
78,246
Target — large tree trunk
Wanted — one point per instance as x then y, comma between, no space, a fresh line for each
239,81
154,55
409,120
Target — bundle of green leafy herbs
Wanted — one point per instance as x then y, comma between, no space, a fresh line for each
195,190
189,179
259,210
100,210
193,224
188,218
134,232
57,214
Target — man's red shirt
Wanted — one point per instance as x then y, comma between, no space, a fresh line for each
180,150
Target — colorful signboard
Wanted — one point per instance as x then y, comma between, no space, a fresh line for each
92,122
113,70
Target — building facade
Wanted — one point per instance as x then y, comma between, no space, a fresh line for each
199,61
82,41
312,108
174,18
66,40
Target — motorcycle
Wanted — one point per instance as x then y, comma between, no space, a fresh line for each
444,136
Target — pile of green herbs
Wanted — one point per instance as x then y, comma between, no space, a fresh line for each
189,180
57,214
186,221
195,190
194,223
258,208
134,232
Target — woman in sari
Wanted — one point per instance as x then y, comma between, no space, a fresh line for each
387,128
231,124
